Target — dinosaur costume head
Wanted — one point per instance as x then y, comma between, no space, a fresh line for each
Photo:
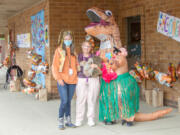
103,27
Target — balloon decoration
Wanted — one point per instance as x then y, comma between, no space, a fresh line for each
178,71
139,68
6,61
35,58
136,75
172,72
163,78
144,71
29,90
31,74
29,83
43,67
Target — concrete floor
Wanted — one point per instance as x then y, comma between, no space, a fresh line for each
22,114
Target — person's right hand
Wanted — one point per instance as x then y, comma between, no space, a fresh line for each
94,66
61,82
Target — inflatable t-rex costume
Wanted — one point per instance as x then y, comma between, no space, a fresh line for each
104,27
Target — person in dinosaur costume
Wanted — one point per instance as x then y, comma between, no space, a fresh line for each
104,27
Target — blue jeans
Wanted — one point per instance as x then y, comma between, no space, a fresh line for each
66,93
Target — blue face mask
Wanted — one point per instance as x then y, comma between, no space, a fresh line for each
108,55
67,42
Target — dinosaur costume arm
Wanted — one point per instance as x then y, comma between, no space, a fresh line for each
55,66
116,36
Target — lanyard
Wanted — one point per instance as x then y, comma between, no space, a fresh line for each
84,58
69,59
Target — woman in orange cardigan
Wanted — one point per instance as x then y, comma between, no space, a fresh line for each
64,70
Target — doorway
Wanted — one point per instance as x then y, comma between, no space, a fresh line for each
133,39
2,48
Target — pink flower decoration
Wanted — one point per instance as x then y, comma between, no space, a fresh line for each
97,53
108,76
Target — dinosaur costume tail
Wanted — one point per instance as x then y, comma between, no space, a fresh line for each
140,117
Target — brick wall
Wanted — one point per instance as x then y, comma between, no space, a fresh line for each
59,14
156,48
20,24
71,14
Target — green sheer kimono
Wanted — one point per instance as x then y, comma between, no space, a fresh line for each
128,92
108,101
120,95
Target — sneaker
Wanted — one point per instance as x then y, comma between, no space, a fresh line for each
91,123
61,124
78,124
108,122
69,123
113,122
123,122
129,124
61,127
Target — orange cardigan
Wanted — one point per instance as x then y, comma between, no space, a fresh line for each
61,66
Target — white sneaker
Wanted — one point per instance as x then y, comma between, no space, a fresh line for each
78,124
91,123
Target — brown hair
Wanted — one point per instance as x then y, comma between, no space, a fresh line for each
62,34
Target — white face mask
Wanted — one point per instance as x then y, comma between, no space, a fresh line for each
105,45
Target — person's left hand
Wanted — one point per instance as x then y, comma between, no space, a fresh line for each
94,66
123,52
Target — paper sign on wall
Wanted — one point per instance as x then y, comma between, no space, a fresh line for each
169,26
23,40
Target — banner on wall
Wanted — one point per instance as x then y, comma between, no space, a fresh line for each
38,42
46,36
23,40
169,26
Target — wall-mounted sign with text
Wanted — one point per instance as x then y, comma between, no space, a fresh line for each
23,40
169,26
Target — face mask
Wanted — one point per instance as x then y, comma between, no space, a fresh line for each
68,42
108,55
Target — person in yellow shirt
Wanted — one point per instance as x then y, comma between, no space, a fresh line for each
64,70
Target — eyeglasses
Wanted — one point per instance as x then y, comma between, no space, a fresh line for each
87,47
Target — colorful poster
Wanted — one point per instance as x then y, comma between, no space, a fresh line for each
46,36
23,40
38,42
169,26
